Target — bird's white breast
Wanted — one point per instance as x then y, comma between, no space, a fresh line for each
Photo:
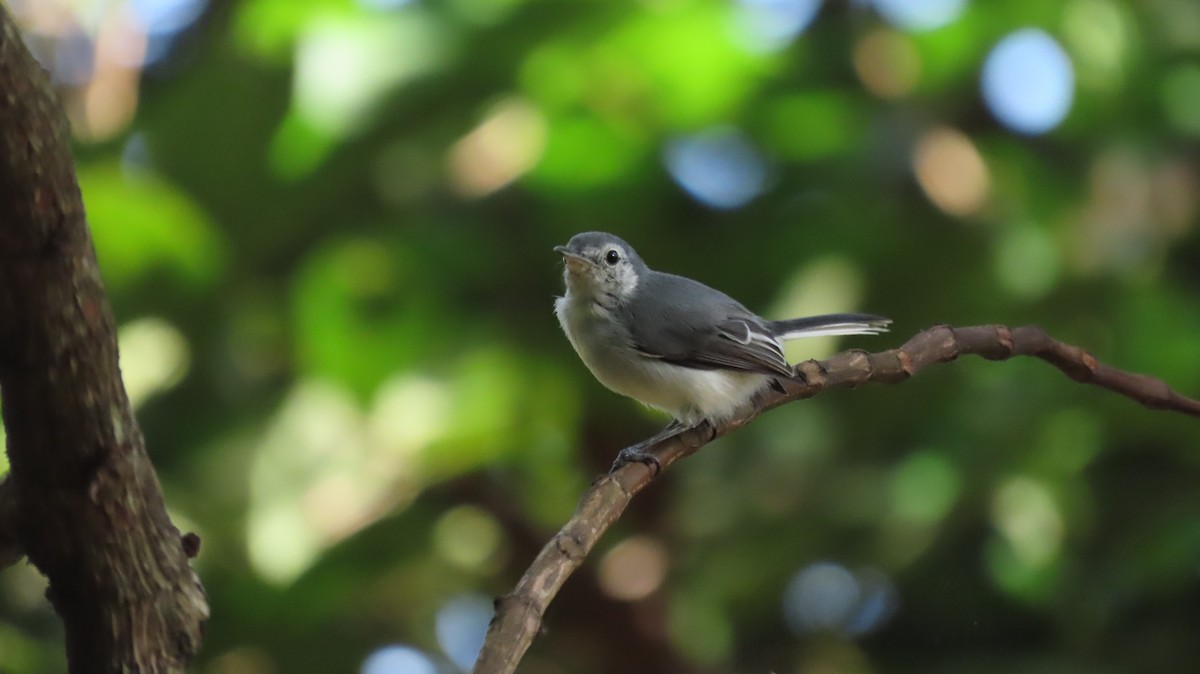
689,394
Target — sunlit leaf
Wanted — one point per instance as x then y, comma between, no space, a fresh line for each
145,227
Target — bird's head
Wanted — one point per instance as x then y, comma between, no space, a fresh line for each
601,267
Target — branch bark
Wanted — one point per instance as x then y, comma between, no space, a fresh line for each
519,614
10,547
82,500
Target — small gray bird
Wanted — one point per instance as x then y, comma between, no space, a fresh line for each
672,343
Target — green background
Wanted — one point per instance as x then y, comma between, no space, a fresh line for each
326,231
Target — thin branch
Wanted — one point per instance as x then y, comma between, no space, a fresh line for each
519,614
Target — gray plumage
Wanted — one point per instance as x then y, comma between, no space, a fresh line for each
671,342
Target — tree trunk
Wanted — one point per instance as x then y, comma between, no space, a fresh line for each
86,505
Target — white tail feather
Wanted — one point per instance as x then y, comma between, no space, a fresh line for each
835,329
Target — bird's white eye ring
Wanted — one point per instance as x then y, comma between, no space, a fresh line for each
612,256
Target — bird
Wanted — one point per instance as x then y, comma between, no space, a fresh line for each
673,343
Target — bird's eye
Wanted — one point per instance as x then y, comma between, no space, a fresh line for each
612,256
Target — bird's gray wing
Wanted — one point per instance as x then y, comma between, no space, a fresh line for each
685,322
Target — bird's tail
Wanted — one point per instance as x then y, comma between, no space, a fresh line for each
830,324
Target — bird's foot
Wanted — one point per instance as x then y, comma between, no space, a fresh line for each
639,453
636,454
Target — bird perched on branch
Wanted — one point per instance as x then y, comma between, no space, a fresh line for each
672,343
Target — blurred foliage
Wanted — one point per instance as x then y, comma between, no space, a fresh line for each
326,227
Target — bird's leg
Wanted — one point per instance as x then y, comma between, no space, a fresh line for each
640,452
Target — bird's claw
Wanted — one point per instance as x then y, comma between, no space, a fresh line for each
636,455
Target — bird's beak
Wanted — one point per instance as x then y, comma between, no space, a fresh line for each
574,262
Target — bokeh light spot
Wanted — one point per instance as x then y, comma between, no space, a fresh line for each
1028,82
768,25
1178,22
828,597
411,412
157,23
397,659
135,156
160,17
144,225
22,587
1025,513
1174,197
887,63
462,623
467,536
824,285
1027,261
634,568
507,144
877,603
313,481
1111,228
919,15
719,168
74,59
1098,33
154,358
820,597
385,5
344,66
924,488
700,628
1070,440
951,171
1181,98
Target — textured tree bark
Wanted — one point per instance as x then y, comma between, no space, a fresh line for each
85,504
